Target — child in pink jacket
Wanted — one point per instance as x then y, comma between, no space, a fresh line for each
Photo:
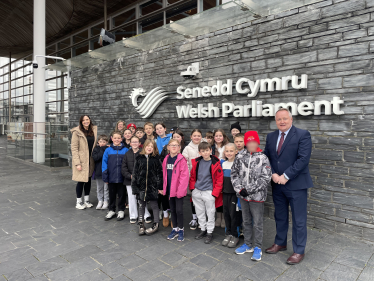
176,177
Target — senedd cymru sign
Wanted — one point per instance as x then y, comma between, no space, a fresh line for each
255,108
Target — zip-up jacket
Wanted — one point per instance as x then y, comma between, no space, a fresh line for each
217,177
162,142
97,156
251,171
112,163
179,180
227,185
128,164
147,177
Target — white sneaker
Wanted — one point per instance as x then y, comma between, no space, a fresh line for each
99,205
110,215
80,206
120,215
88,204
105,205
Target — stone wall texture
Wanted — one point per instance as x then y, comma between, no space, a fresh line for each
331,41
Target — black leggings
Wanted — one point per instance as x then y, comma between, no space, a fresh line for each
83,185
176,208
163,202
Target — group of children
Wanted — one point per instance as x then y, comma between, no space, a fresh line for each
228,181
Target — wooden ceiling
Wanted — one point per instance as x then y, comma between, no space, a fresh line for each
62,18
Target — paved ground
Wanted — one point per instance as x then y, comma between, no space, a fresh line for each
43,237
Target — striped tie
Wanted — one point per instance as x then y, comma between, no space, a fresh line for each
281,141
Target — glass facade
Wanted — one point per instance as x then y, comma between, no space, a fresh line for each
16,104
20,96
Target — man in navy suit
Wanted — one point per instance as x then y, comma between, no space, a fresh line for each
289,150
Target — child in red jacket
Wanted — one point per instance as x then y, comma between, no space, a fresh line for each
206,183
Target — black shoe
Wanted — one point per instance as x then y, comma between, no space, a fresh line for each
201,235
148,220
141,228
152,229
209,238
132,221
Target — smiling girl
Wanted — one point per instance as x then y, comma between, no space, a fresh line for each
146,183
220,140
176,176
127,135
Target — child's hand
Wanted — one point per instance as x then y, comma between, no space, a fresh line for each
161,192
79,167
107,182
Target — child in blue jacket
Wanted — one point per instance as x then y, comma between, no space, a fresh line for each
111,167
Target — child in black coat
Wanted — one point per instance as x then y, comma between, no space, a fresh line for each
147,183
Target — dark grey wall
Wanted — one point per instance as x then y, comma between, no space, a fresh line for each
331,42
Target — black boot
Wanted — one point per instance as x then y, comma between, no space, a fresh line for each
209,238
152,229
141,228
201,235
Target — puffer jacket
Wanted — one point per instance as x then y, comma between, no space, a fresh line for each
128,164
191,151
251,171
97,156
217,178
179,180
162,142
147,177
112,163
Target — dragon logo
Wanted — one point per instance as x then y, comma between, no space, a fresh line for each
150,103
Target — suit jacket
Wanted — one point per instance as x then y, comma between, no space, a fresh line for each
293,159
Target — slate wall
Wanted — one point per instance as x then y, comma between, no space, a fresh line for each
331,41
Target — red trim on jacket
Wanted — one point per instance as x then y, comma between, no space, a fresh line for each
217,177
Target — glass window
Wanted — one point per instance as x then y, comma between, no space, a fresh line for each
125,32
53,96
183,11
124,17
28,69
80,36
81,49
150,7
66,106
64,44
27,79
50,49
19,92
19,82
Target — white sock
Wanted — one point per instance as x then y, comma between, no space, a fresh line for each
176,229
181,229
194,216
166,214
79,200
86,198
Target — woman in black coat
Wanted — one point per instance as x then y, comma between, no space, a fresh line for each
146,182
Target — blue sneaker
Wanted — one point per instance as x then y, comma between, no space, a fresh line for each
172,235
180,235
243,249
256,254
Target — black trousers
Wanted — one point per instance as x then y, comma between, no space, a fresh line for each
114,189
230,214
176,208
83,185
163,202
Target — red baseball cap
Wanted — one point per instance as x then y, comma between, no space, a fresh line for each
131,125
251,136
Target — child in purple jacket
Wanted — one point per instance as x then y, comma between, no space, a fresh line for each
176,176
